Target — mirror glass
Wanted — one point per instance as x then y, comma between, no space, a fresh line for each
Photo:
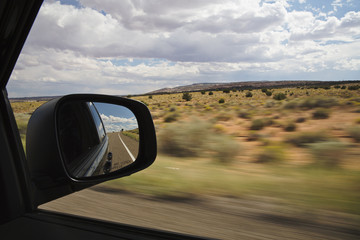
96,138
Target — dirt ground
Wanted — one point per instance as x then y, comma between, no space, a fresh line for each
210,216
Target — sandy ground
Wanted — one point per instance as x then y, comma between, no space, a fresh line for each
215,217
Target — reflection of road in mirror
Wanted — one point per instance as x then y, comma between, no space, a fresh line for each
124,149
122,130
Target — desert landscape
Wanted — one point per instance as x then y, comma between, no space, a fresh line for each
294,148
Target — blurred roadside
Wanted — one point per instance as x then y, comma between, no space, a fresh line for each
210,216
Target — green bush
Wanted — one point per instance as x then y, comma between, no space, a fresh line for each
264,90
268,93
211,93
150,96
328,154
226,91
187,96
304,138
203,92
270,154
354,132
279,96
248,94
221,100
321,113
343,87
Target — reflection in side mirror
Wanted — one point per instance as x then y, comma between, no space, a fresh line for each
96,138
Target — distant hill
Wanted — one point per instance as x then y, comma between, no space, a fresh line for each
24,99
246,85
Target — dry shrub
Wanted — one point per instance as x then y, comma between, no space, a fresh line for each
260,123
290,127
269,104
300,119
224,116
279,96
257,124
270,154
171,117
328,154
219,128
244,114
197,138
321,113
318,102
224,148
354,132
304,138
293,104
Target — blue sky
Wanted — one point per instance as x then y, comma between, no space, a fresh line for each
116,118
133,47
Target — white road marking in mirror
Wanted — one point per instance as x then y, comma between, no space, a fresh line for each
132,157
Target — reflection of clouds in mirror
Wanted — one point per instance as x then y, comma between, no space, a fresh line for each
116,124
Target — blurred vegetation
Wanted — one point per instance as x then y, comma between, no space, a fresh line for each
271,154
354,132
304,138
197,138
305,187
279,96
252,146
321,113
187,96
328,154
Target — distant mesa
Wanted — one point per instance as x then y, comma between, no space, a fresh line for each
247,85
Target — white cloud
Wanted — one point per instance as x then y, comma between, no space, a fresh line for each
190,41
116,124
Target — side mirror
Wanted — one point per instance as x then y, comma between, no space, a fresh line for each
96,138
79,140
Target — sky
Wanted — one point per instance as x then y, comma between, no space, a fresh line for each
137,46
116,118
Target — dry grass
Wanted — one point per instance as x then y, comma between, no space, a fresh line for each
292,174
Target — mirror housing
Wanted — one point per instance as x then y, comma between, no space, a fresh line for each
49,173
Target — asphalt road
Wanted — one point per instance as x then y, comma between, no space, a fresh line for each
210,216
122,147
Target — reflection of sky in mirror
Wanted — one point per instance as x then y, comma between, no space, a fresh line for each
116,118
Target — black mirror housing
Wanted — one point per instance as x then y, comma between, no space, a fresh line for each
49,174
